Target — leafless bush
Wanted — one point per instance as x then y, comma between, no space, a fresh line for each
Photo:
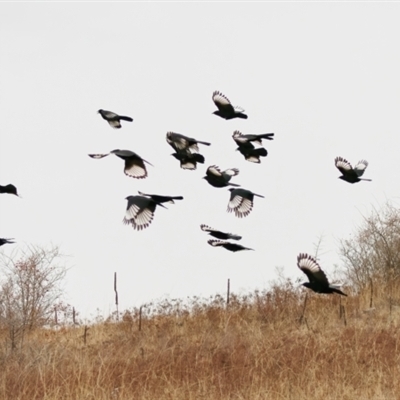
30,290
373,252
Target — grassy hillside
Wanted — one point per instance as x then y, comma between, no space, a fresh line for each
258,347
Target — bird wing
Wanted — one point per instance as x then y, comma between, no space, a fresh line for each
206,228
98,156
139,212
216,243
177,141
240,204
231,172
312,269
343,166
361,167
108,114
239,138
114,123
222,102
213,171
238,109
135,168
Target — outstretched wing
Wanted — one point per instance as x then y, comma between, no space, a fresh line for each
312,269
216,243
240,204
98,156
231,172
139,212
361,167
213,171
343,166
222,102
135,168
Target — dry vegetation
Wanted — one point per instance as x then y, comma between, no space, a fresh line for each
284,343
256,348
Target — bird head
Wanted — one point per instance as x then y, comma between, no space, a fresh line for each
99,111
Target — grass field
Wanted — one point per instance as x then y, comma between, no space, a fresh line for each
257,347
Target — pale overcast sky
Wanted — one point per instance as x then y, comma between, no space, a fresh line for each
324,77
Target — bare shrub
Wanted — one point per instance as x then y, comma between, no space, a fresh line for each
373,252
30,290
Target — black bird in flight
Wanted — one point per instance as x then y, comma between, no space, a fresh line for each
228,245
350,174
217,178
317,280
241,139
140,211
219,234
184,143
241,202
225,108
114,119
10,189
5,241
188,160
162,199
134,164
252,154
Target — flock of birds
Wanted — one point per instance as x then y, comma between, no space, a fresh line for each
141,208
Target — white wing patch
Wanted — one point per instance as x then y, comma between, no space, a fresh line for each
231,172
143,219
214,170
253,159
115,124
135,171
361,167
98,156
306,262
341,163
220,99
188,165
216,243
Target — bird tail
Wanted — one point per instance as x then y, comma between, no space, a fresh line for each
205,143
365,179
177,197
125,118
268,136
259,195
233,184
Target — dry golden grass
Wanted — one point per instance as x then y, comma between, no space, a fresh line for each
257,348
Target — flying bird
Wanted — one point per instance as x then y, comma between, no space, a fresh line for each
10,189
219,234
114,119
225,108
240,139
5,241
181,142
241,202
188,160
252,154
161,199
134,164
140,211
228,245
350,174
317,280
217,178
